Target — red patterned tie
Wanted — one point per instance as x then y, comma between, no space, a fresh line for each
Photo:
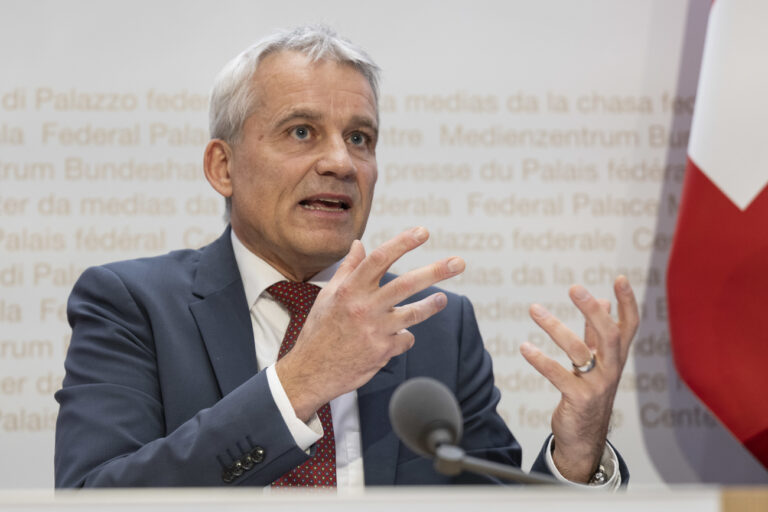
320,470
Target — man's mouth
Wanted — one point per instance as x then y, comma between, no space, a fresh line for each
327,204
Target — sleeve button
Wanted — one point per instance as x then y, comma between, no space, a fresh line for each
257,454
237,468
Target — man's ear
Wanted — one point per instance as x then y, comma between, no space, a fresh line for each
217,163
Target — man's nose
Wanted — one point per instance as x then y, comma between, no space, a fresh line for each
335,159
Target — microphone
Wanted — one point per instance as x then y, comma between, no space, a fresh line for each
425,415
427,418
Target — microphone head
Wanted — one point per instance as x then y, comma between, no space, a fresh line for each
423,410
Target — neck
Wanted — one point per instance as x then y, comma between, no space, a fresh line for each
297,271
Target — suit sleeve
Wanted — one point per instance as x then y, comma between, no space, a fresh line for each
111,426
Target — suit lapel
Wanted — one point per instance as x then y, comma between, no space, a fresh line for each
223,316
380,444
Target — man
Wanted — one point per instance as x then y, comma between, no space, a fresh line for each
177,375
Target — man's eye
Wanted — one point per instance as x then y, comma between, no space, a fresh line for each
358,139
301,132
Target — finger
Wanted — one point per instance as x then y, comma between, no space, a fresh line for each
629,316
550,369
590,335
418,279
565,338
375,265
401,342
417,312
606,332
351,261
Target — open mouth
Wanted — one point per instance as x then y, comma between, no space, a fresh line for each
325,204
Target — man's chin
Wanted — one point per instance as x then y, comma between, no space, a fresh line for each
322,252
326,256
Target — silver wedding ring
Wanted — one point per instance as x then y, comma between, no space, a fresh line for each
585,368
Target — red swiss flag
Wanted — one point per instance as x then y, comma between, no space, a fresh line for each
717,280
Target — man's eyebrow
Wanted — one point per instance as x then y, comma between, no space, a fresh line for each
292,115
365,121
312,115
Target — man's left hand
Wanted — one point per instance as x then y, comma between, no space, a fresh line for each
581,419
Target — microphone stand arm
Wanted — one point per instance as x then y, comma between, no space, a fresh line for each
452,460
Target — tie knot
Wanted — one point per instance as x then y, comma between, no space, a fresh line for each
297,297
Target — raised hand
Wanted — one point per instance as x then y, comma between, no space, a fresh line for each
355,328
581,419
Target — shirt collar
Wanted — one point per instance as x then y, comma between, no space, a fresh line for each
258,275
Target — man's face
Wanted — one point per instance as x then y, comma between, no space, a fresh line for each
304,170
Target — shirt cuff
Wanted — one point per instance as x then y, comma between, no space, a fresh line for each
609,461
304,434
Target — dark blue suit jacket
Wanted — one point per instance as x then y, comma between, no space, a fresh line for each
162,389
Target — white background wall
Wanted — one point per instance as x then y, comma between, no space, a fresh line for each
529,218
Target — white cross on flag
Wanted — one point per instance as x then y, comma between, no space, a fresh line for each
718,269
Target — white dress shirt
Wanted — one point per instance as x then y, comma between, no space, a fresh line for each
270,321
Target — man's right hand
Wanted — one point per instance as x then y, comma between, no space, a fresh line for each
354,328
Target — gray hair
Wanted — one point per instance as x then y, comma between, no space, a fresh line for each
232,97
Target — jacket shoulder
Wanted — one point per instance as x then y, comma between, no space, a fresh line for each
157,270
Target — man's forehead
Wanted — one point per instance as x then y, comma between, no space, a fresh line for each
289,85
288,71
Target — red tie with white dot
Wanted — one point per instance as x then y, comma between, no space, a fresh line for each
320,470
